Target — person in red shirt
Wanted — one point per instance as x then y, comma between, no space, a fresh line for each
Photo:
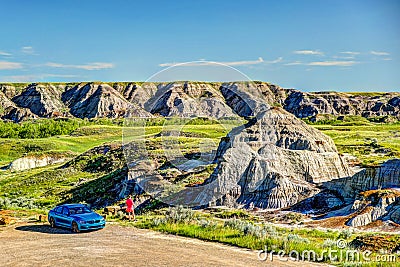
129,208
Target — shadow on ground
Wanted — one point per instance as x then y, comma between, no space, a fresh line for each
41,228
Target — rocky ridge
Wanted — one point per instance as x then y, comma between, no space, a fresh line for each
371,194
183,99
305,105
99,100
188,100
43,101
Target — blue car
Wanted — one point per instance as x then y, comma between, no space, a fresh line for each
77,217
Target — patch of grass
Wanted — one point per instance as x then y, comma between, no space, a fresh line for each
45,186
328,119
13,148
372,144
367,94
88,177
229,214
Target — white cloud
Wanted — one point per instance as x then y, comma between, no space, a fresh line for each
7,65
294,63
2,53
344,57
279,59
309,52
35,77
347,55
89,66
60,75
379,53
229,63
19,78
350,53
333,63
28,50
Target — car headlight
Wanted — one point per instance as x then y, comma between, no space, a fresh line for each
82,222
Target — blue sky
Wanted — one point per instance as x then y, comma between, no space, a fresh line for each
309,45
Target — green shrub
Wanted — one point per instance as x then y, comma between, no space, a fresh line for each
228,214
204,223
329,243
179,215
346,234
294,238
19,202
43,128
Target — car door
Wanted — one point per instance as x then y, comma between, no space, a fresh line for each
57,215
67,217
63,217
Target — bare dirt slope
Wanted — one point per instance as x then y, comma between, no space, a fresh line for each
39,245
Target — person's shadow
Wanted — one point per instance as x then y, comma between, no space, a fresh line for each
43,228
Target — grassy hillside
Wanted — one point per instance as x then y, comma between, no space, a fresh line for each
93,174
89,173
371,144
77,142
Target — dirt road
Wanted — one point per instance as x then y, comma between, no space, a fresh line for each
40,245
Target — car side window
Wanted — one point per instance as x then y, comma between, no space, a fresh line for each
65,211
58,210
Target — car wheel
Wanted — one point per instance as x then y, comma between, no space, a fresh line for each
75,227
52,222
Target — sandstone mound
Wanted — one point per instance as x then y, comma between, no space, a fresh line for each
8,90
373,205
94,100
42,100
32,161
385,176
372,194
5,102
249,98
274,161
188,100
16,114
139,94
11,112
370,198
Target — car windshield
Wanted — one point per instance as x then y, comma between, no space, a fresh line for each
79,210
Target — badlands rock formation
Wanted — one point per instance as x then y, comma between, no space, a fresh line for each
372,193
274,161
93,100
10,111
44,101
137,94
380,205
304,104
188,100
385,176
31,162
247,99
183,99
